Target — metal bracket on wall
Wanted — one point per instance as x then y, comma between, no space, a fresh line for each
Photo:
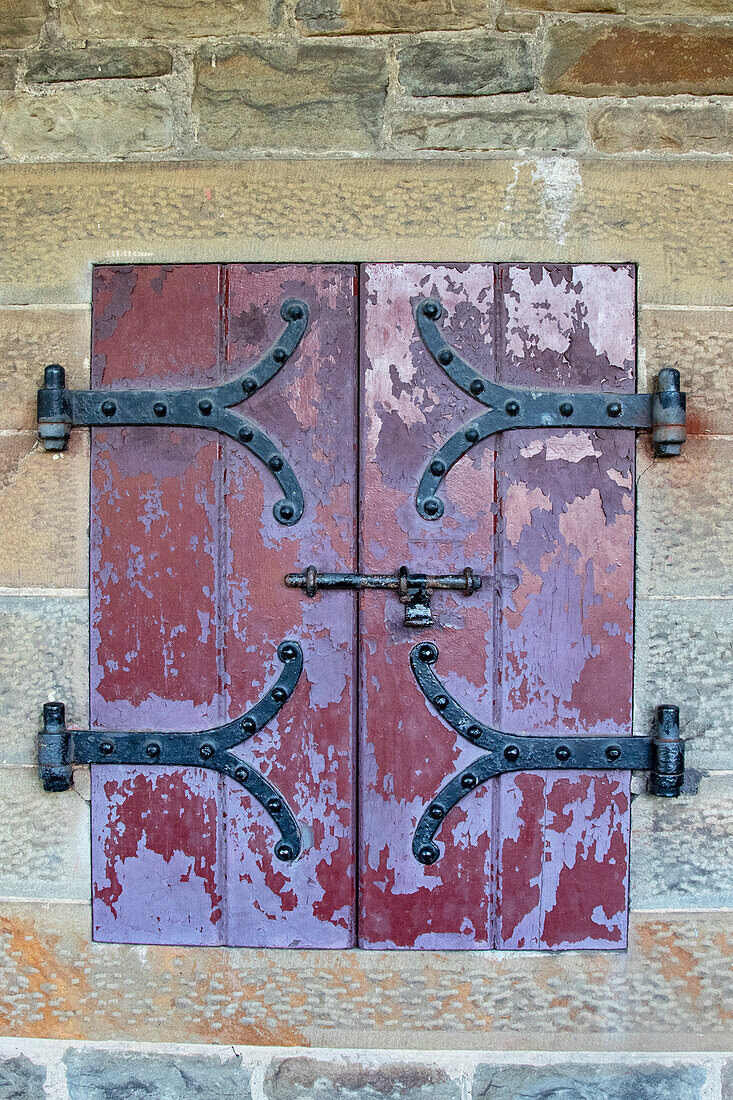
507,407
59,748
662,755
60,409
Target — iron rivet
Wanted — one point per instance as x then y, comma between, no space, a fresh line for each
437,467
206,751
566,409
245,434
511,752
445,356
436,812
468,781
279,355
471,435
274,805
476,387
563,753
428,854
249,725
288,652
159,408
109,408
153,749
473,732
241,774
431,310
279,695
106,747
284,851
512,408
432,507
286,511
249,385
614,409
613,752
440,702
205,407
427,653
295,311
275,463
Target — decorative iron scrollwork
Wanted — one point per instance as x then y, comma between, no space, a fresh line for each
59,748
60,409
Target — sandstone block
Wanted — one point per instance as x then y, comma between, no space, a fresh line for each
44,655
83,123
128,1075
699,344
8,67
481,128
628,127
44,501
682,850
475,66
299,1078
684,543
98,19
320,96
44,839
602,1081
21,22
626,59
98,62
674,8
29,339
21,1079
682,656
388,16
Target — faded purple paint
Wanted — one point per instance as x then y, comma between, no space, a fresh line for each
188,608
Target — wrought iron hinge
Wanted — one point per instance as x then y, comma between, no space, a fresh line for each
60,409
414,589
59,748
662,755
507,407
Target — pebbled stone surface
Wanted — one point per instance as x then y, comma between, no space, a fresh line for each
661,128
29,339
611,58
111,1075
44,655
98,62
305,1078
604,1081
98,19
474,66
682,656
388,16
21,1079
319,96
477,128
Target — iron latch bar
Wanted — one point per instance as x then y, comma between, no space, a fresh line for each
60,748
61,409
414,589
662,755
508,407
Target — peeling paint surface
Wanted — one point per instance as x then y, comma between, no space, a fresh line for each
528,861
188,608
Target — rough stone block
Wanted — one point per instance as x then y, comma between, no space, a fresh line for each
8,67
527,21
29,339
83,123
682,850
21,1079
699,344
133,1075
320,96
44,839
692,128
476,128
603,1081
387,16
44,655
21,22
44,501
682,656
612,58
98,19
98,62
673,8
299,1078
684,542
474,66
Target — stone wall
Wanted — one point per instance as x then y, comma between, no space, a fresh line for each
440,131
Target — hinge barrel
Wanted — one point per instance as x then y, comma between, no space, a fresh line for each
669,414
54,749
54,409
667,770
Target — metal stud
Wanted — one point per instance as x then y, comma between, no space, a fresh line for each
279,695
242,775
440,702
471,435
274,805
245,434
436,812
249,725
428,854
512,408
153,749
275,463
205,407
109,408
445,356
437,467
284,852
511,752
562,753
433,507
285,512
279,355
468,781
614,409
473,732
287,652
159,408
613,752
566,409
206,751
106,747
427,653
249,385
431,310
477,387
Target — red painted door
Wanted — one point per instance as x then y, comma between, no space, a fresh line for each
189,609
546,517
